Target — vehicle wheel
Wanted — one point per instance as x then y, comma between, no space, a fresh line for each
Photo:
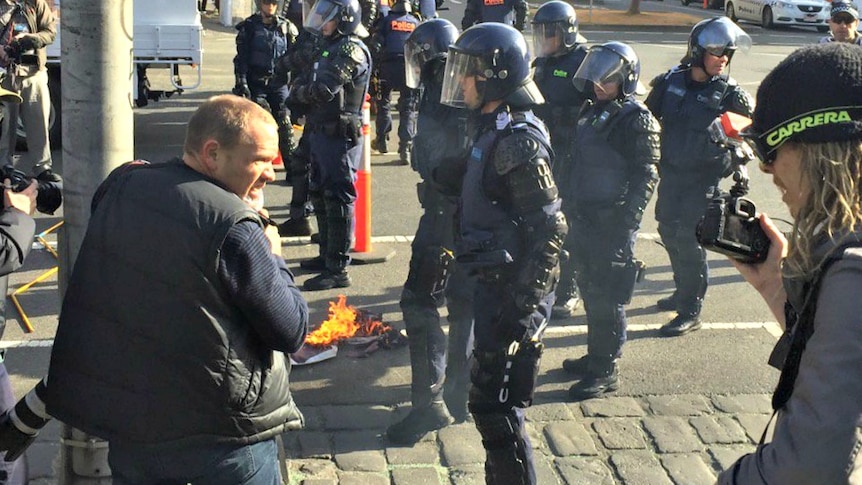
822,29
685,2
730,12
766,19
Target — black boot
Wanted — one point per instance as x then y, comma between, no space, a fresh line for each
667,304
577,367
404,154
681,324
328,280
595,384
299,226
316,264
379,144
418,423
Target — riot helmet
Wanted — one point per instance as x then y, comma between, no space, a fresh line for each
555,29
346,14
264,9
489,62
613,62
401,6
719,36
430,41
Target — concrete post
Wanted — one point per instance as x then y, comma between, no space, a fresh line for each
96,72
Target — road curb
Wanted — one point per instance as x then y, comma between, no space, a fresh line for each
635,28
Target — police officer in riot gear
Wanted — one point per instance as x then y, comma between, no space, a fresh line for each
297,65
615,153
512,232
509,12
686,99
560,51
261,40
334,91
387,49
440,376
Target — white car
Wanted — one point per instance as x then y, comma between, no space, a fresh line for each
772,13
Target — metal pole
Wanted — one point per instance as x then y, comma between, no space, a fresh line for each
96,72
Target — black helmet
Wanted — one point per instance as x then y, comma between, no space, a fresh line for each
346,13
610,62
430,40
812,96
718,36
401,6
496,56
555,19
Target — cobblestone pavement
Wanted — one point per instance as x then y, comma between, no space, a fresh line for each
653,440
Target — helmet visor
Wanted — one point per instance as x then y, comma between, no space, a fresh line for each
548,39
461,80
415,55
723,39
322,12
307,5
601,66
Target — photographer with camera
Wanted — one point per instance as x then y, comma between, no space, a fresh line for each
26,28
17,229
807,130
686,99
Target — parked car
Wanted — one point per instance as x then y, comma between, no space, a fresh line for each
772,13
713,4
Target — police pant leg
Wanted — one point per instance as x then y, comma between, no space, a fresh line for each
606,320
276,96
509,453
337,158
383,121
339,227
407,117
667,231
691,268
317,151
299,176
459,301
320,213
426,340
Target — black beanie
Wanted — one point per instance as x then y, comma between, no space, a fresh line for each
814,95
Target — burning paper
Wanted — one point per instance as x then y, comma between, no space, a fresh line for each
346,321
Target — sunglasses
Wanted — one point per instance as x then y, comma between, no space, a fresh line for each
720,51
843,20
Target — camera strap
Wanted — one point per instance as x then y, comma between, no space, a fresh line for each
801,326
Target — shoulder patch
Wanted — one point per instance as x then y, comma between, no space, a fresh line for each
514,150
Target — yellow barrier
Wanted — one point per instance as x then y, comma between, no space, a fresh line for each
47,274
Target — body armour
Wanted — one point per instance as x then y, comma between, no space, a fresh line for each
394,30
486,222
342,69
262,45
553,76
686,111
440,129
600,173
181,364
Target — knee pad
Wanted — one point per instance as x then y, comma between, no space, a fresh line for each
507,460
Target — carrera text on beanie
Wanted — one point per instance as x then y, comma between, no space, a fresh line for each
814,95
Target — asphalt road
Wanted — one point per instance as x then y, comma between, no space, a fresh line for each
728,357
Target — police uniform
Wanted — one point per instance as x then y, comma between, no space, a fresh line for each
387,46
334,91
615,153
258,48
691,168
511,234
509,12
434,277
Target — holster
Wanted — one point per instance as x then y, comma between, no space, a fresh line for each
624,277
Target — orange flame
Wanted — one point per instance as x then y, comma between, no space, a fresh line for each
342,324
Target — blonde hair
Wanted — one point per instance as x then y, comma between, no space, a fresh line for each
225,118
833,174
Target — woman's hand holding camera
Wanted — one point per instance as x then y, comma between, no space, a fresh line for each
765,277
24,201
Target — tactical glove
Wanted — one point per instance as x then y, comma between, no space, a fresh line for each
241,88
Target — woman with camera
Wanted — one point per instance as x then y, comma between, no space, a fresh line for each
807,130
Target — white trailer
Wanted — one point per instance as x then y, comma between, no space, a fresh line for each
167,35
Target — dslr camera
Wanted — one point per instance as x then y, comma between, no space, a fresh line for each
49,195
730,225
